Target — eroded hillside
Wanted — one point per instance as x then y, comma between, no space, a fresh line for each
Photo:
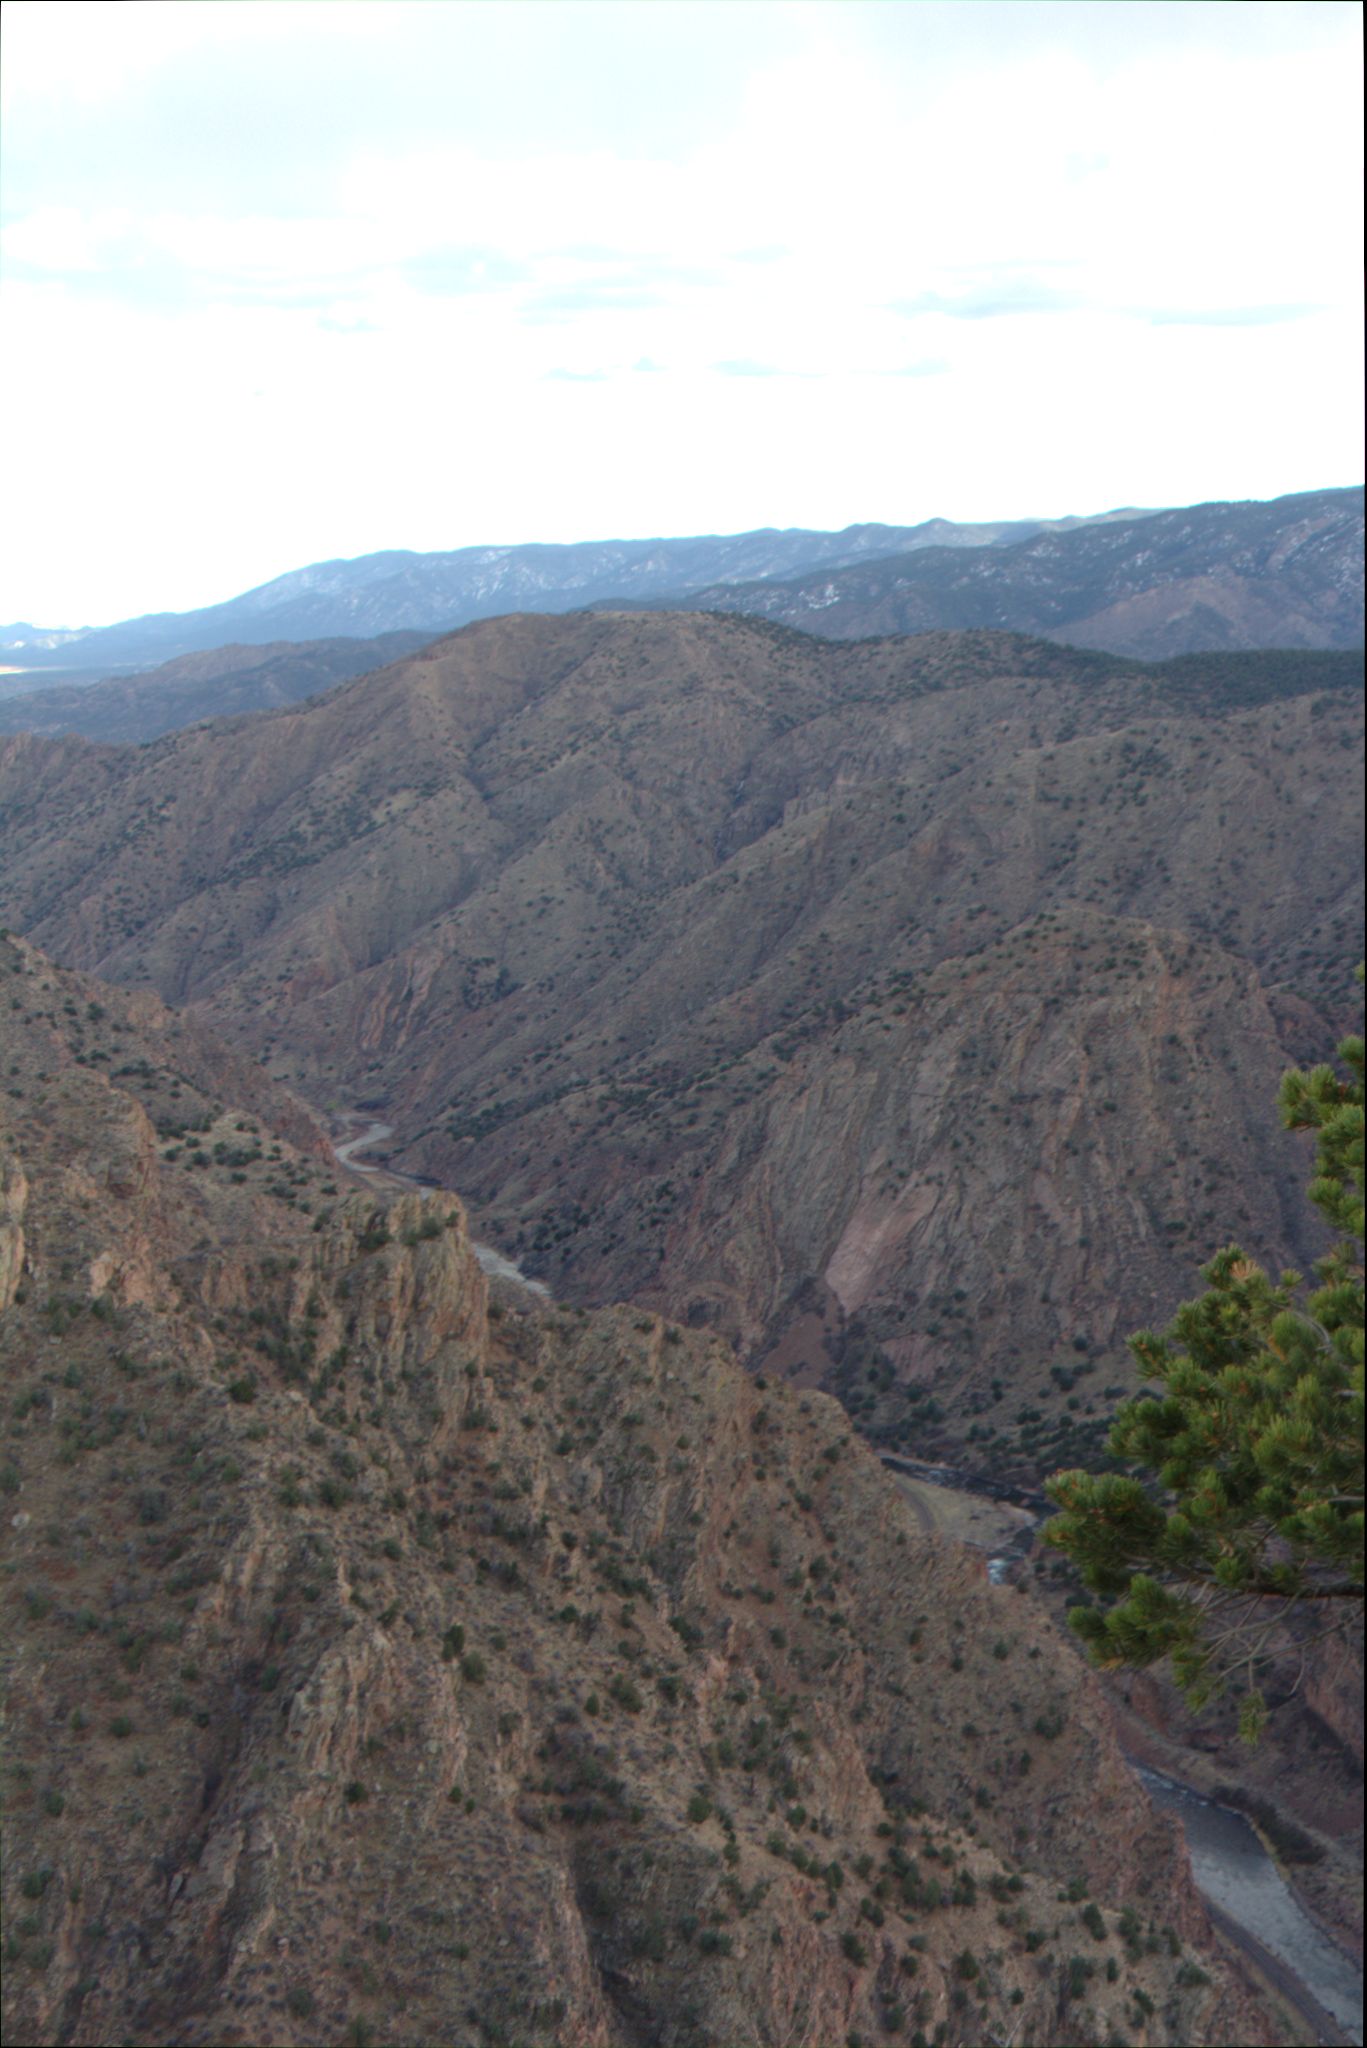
909,1012
383,1663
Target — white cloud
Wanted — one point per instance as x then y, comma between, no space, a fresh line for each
907,261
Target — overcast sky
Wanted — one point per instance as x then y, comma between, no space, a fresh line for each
287,282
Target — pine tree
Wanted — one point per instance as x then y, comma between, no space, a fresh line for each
1253,1510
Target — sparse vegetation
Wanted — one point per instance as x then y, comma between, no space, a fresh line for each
709,1685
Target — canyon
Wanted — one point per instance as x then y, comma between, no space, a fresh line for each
908,1013
381,1653
408,1634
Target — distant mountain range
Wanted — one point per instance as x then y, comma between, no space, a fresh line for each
1207,579
1287,573
399,591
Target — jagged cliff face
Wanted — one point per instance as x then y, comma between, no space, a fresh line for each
908,1012
383,1660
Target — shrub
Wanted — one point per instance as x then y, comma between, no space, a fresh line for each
1079,1970
649,1942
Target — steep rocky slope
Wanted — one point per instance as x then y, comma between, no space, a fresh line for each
381,1664
1287,573
909,1010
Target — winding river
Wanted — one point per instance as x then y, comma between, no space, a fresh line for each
1243,1885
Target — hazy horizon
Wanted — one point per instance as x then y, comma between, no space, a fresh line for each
600,539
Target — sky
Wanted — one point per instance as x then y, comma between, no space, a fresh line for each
287,282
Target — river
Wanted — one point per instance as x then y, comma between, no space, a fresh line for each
1245,1892
1239,1879
491,1261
